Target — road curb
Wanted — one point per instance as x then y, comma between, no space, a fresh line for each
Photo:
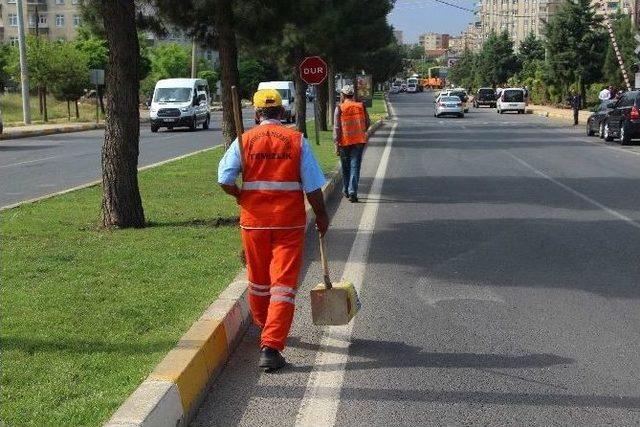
82,127
52,131
171,394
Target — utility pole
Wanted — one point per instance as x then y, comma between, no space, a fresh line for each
194,53
24,74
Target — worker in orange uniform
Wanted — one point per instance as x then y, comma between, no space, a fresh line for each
351,122
278,169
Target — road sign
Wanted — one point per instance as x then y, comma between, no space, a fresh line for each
313,70
97,77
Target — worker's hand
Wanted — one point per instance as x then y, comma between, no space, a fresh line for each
322,224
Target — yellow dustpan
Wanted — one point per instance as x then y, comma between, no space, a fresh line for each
333,303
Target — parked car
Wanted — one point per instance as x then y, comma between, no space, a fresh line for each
595,122
623,121
449,105
394,88
287,91
180,103
464,97
485,96
511,99
403,87
412,88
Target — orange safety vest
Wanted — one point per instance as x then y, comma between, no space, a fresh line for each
353,123
272,196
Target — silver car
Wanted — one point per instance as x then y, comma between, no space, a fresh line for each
448,105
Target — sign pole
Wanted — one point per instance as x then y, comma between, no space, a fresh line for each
315,113
97,105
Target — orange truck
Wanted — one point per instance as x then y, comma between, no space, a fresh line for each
433,83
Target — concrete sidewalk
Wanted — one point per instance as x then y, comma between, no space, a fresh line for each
563,114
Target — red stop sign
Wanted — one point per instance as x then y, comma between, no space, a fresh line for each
313,70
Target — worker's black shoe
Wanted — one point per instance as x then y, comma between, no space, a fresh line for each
271,359
353,198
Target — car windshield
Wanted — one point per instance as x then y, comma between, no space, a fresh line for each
485,92
172,94
513,96
450,99
284,93
460,95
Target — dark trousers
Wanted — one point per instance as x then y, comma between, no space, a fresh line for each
351,159
575,116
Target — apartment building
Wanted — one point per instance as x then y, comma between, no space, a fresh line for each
434,41
456,44
613,6
399,36
54,19
516,17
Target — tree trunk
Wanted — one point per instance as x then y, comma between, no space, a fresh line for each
332,94
77,110
44,104
301,98
228,65
121,201
322,93
40,102
100,99
69,109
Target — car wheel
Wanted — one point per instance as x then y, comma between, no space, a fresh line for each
206,123
461,115
154,128
601,130
192,125
607,133
590,131
466,110
500,112
625,136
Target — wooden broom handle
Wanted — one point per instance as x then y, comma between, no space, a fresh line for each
237,118
325,264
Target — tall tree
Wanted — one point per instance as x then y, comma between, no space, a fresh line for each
575,45
121,201
531,49
496,61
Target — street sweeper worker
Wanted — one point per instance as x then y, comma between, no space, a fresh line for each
278,168
351,122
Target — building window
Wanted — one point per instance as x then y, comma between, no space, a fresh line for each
59,1
59,20
13,20
32,20
76,20
13,41
12,2
43,19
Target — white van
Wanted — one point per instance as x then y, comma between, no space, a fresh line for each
511,99
288,92
180,103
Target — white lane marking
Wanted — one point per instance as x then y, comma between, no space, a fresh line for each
432,292
319,405
576,193
29,161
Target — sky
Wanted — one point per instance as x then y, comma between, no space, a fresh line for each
414,17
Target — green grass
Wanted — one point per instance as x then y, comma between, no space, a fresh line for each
11,105
378,109
87,313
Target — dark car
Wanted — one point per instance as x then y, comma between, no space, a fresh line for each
485,96
623,121
595,122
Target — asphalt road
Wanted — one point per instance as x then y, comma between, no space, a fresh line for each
497,260
34,167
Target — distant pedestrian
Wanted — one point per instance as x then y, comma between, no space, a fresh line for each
576,104
351,122
605,94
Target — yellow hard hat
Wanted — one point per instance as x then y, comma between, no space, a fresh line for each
267,98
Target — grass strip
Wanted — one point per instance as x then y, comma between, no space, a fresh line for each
11,104
88,313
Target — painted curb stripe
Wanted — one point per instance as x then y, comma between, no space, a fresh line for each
199,356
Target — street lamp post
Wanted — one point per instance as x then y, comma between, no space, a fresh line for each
24,74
